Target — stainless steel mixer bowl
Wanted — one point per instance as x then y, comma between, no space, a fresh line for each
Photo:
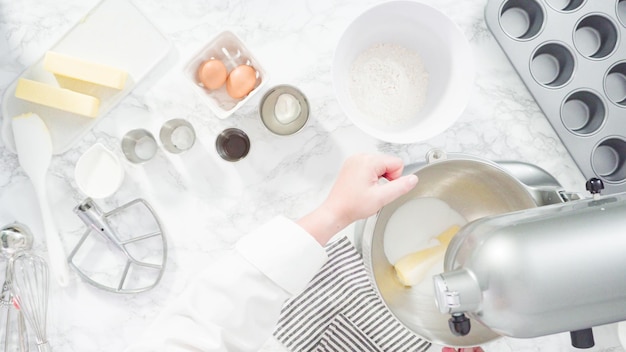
474,188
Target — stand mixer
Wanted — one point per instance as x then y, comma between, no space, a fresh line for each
539,271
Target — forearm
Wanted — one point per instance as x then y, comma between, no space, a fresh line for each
357,194
323,223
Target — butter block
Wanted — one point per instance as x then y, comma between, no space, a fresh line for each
412,268
58,98
88,71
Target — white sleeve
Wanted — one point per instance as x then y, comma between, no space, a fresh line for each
235,302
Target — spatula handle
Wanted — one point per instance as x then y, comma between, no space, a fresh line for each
56,252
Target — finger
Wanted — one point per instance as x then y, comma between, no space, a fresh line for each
388,192
389,166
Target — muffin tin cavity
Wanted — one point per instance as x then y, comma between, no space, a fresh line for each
615,84
621,12
583,112
571,56
595,37
565,5
552,65
609,159
521,19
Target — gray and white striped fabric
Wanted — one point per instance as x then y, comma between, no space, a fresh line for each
340,311
343,335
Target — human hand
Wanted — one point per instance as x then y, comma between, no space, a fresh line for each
358,194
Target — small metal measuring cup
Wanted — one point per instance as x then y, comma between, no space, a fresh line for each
139,146
272,120
232,144
177,136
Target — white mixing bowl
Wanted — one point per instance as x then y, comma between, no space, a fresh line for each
445,53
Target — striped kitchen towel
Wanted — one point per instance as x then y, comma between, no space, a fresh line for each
340,311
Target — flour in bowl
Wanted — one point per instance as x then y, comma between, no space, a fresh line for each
388,84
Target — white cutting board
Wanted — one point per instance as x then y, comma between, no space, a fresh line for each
114,33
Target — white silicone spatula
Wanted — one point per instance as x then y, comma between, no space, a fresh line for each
34,150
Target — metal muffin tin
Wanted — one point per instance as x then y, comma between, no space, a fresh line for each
572,57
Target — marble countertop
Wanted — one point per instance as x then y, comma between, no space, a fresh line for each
206,203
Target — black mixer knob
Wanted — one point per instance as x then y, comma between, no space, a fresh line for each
459,324
594,185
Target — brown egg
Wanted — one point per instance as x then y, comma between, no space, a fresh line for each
241,81
212,74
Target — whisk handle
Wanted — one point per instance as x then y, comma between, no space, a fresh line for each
44,347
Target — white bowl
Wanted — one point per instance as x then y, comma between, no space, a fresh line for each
98,172
444,51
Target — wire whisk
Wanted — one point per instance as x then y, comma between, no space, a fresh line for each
13,319
14,238
30,293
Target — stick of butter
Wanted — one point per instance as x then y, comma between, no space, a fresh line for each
55,97
412,268
82,70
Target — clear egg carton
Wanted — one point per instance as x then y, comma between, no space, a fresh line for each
571,56
230,49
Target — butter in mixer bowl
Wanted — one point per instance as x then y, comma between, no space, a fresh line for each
412,268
